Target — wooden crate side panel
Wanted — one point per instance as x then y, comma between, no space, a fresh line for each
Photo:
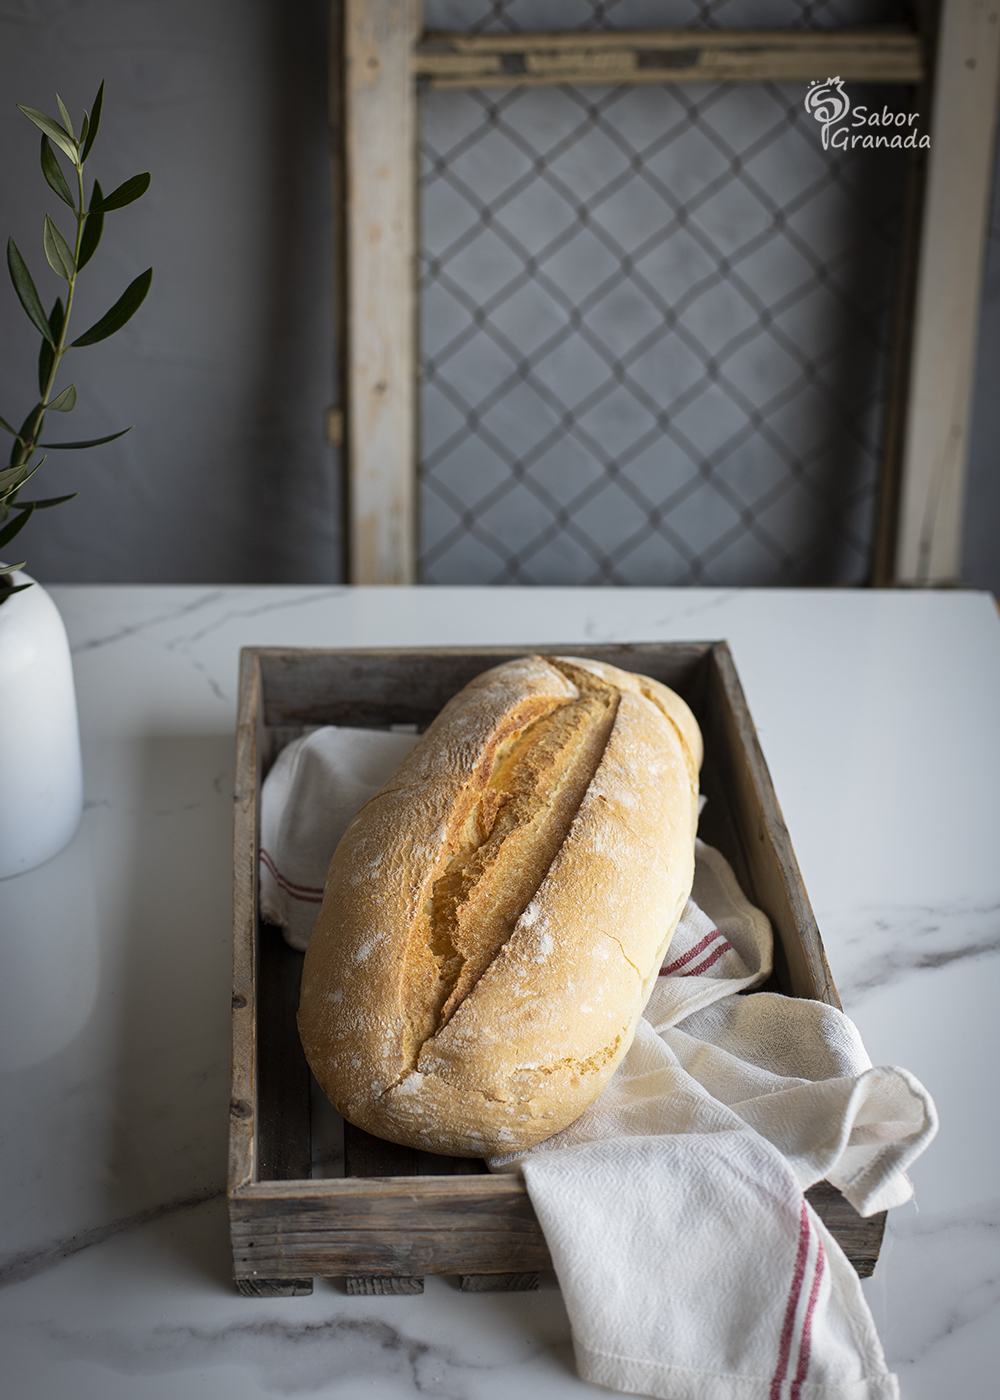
243,1092
765,863
388,1226
859,1236
377,688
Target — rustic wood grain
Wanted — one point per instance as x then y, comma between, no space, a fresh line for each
860,1237
379,165
394,1226
499,1283
939,404
373,688
245,844
667,56
369,1156
284,1142
764,861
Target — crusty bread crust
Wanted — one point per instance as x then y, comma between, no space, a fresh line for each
495,917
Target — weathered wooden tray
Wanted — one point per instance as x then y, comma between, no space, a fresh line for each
385,1225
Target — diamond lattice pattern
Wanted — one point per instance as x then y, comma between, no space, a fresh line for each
653,325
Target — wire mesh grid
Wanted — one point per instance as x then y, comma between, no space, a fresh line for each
653,333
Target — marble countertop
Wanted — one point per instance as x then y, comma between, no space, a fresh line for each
878,715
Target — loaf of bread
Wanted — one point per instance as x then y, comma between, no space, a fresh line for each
495,917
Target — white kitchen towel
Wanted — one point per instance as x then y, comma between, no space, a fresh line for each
316,786
690,1263
703,1274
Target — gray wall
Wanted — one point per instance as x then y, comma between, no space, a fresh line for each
228,369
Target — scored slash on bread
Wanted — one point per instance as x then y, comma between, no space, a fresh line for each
495,916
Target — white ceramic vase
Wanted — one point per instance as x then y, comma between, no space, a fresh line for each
41,777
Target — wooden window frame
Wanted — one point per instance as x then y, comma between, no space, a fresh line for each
379,53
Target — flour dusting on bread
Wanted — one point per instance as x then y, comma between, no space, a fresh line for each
495,916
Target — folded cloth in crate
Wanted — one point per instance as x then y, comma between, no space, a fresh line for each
673,1207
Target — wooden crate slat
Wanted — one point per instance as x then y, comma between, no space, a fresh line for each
368,1156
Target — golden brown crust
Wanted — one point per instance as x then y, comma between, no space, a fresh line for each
494,918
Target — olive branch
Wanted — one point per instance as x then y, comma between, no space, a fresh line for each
66,262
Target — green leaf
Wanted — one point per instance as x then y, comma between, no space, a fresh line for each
85,126
58,251
126,193
47,504
53,174
12,569
25,289
67,121
31,425
95,121
13,478
94,442
92,229
18,587
53,131
5,424
123,310
46,354
15,526
66,401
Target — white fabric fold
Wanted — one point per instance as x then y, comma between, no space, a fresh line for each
314,789
673,1208
706,1276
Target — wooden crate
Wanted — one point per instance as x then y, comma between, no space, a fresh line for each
385,1224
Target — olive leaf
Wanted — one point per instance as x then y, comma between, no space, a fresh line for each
25,288
53,174
92,229
124,308
46,504
67,121
93,442
95,121
66,401
126,193
53,131
13,478
16,526
5,424
57,251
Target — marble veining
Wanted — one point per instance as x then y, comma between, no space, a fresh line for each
293,1357
232,615
132,629
879,946
114,988
26,1263
960,1252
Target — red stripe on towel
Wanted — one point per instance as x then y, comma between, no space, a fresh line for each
713,957
308,894
804,1345
691,953
785,1345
